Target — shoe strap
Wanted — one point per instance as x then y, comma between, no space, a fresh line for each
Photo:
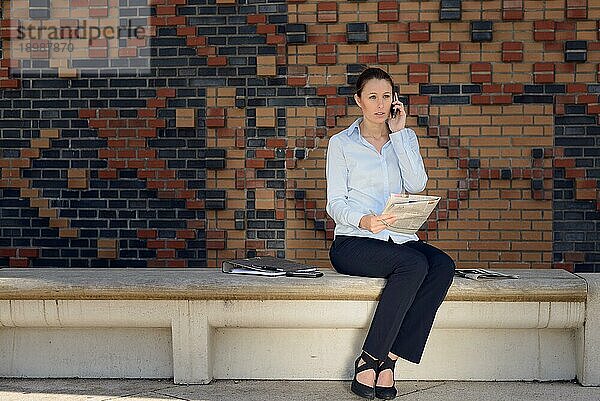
370,363
388,363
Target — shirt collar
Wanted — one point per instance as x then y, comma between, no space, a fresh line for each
354,127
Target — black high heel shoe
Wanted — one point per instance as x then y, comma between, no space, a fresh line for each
358,388
386,393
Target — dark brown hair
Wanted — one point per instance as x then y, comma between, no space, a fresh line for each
372,73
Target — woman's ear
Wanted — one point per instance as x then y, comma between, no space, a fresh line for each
357,100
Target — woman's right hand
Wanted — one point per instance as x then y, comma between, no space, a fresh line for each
375,223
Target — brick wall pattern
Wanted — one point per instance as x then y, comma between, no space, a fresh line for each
220,150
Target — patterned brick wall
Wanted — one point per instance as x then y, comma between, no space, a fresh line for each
219,151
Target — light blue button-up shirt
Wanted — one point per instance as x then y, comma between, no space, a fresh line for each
360,179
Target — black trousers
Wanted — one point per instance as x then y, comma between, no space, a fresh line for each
418,277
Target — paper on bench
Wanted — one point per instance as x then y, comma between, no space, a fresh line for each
483,274
267,266
257,272
411,211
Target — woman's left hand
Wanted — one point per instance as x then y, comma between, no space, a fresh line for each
397,123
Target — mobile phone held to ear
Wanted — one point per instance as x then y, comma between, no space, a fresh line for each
393,110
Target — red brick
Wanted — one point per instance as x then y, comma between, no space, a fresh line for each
165,253
574,173
265,29
147,233
449,52
367,58
255,163
18,262
326,90
576,13
276,143
509,57
186,234
196,41
479,99
186,30
564,163
416,68
326,6
513,88
194,204
176,263
502,99
156,103
215,122
478,67
323,59
418,26
107,174
7,252
275,39
419,99
587,184
156,244
335,101
387,53
176,20
544,25
215,234
327,12
9,83
543,73
593,108
255,244
176,244
256,18
543,36
512,15
166,92
418,36
326,48
265,153
387,11
217,61
215,112
512,46
480,78
418,78
166,10
215,244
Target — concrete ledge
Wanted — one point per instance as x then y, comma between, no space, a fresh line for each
205,284
198,324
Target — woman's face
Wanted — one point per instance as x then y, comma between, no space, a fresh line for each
375,100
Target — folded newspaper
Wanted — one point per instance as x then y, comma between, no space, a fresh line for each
269,266
411,211
482,274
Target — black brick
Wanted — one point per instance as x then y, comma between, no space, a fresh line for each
357,32
438,100
474,163
481,31
533,99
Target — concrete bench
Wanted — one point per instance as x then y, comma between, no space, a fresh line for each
198,324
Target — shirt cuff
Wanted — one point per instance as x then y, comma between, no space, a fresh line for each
354,218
